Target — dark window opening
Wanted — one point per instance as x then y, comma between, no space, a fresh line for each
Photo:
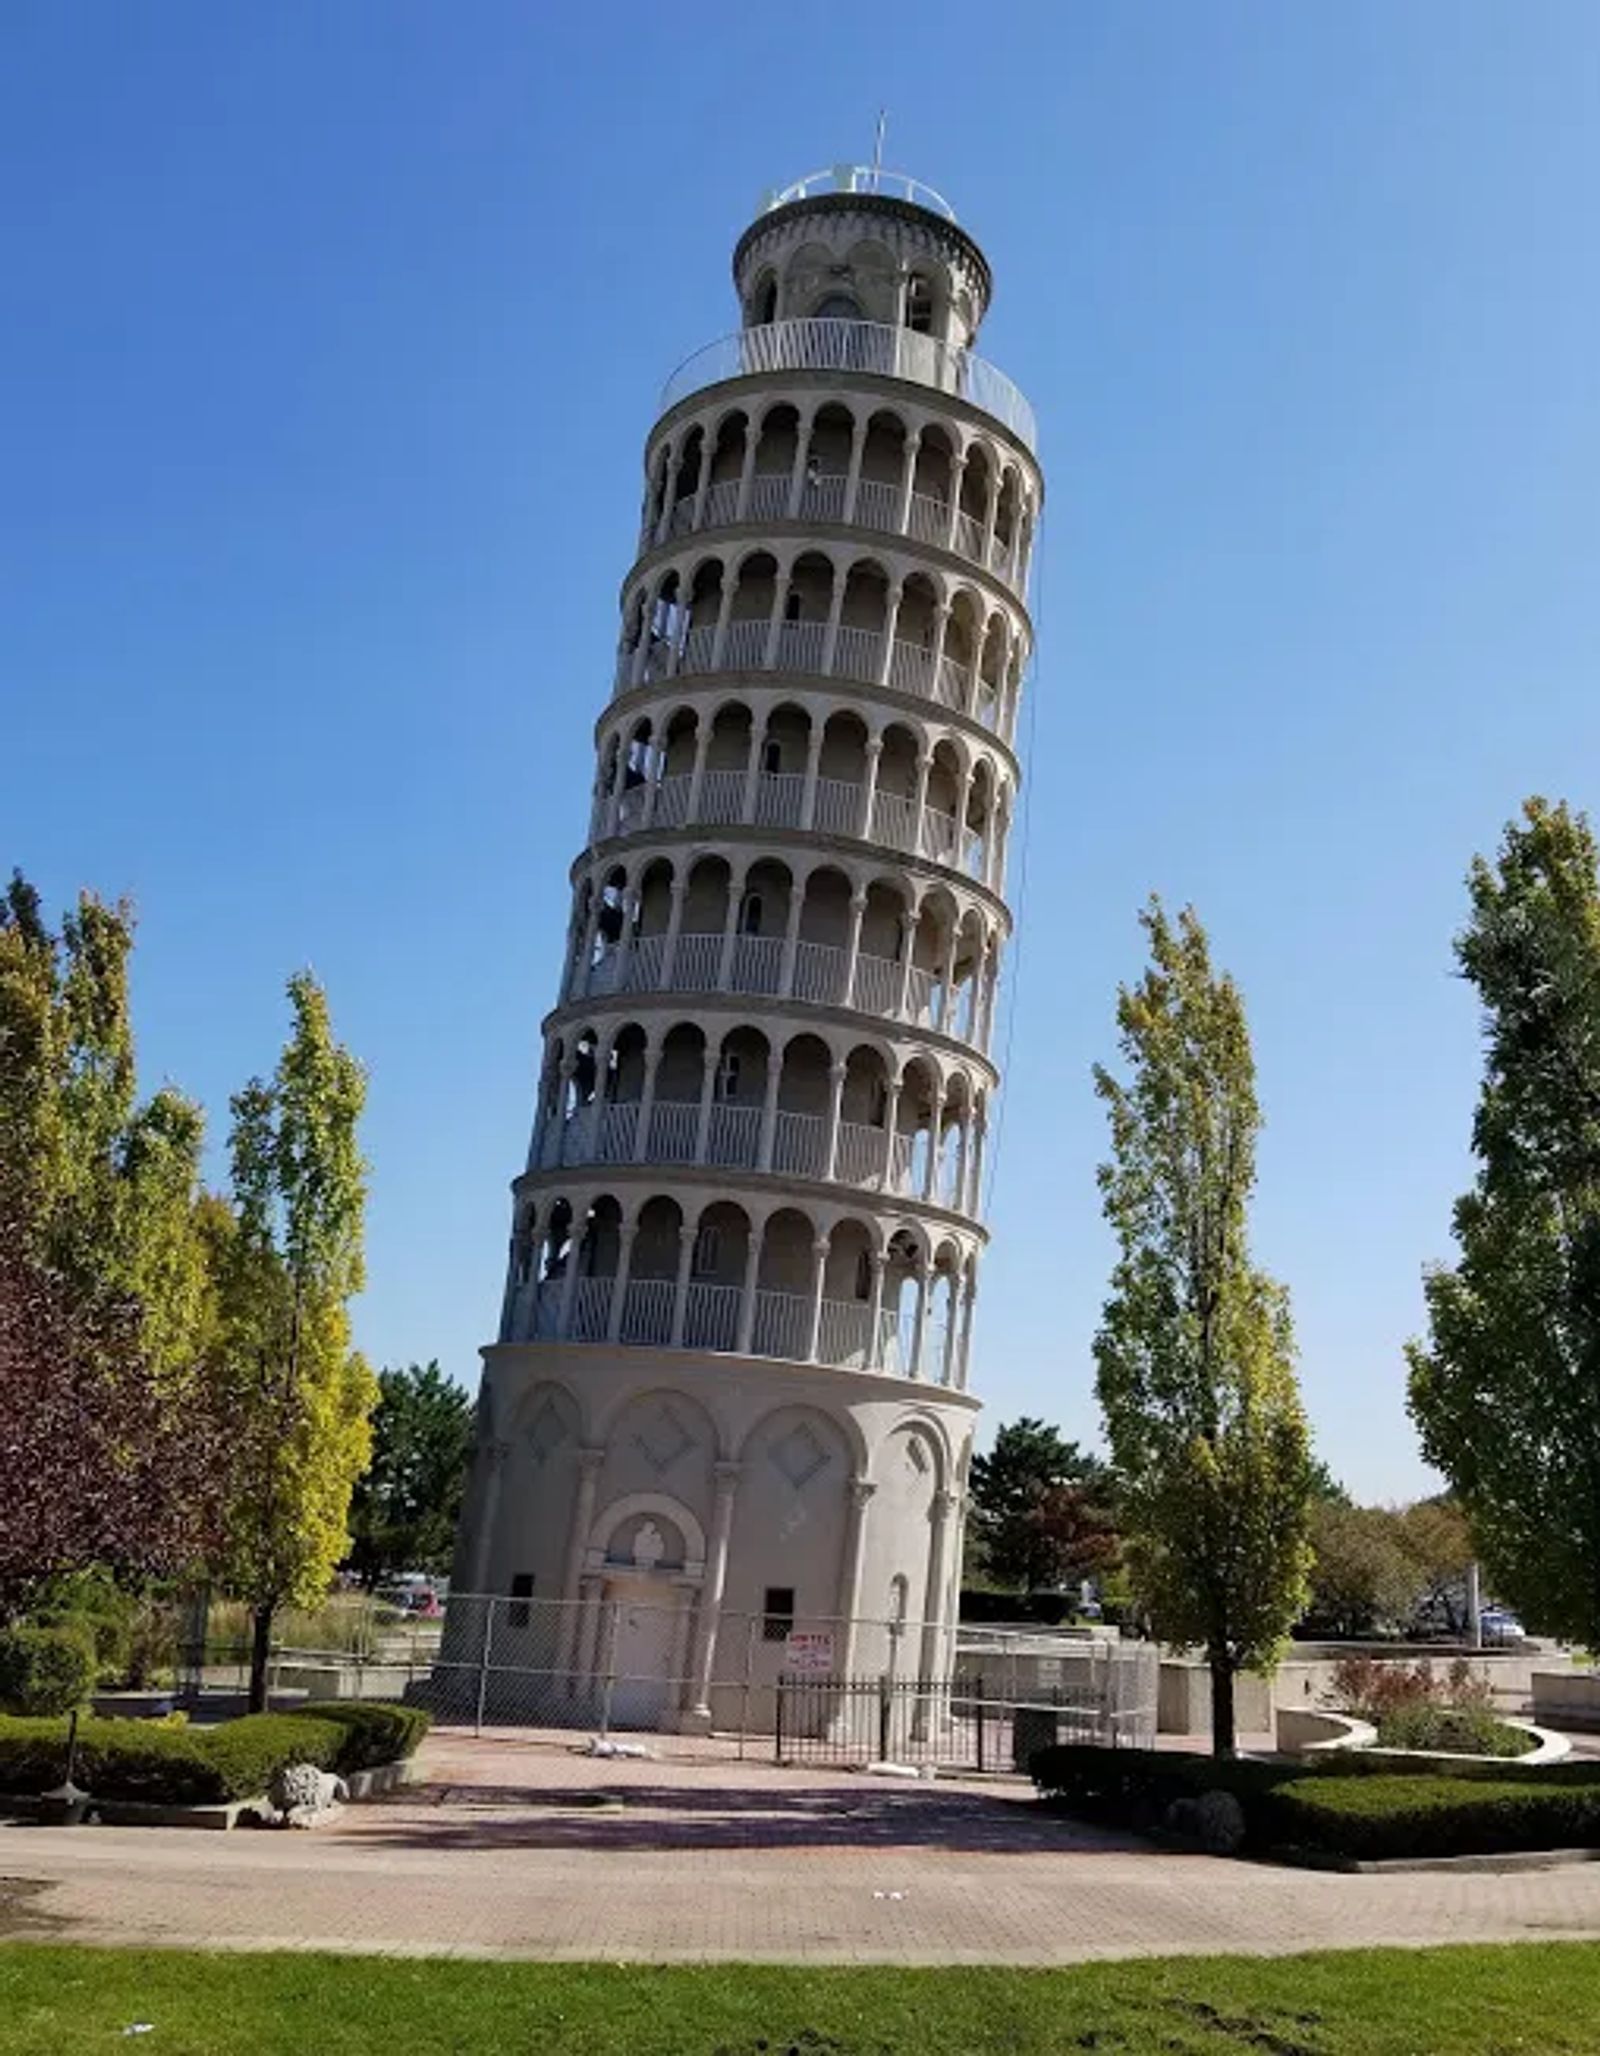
772,758
521,1591
778,1622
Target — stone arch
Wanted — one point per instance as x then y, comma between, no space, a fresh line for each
637,1507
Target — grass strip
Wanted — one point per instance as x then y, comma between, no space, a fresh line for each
1536,1998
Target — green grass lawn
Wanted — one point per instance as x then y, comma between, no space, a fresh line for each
1528,1998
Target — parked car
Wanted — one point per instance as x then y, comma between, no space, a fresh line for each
1499,1627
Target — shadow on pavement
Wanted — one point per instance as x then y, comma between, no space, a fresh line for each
664,1817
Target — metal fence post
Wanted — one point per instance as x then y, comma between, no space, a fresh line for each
749,1669
483,1662
885,1710
977,1695
777,1723
609,1630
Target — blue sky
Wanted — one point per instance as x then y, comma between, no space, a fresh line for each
328,340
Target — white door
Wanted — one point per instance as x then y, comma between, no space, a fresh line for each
644,1651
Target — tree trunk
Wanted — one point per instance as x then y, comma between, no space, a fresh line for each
260,1654
1222,1736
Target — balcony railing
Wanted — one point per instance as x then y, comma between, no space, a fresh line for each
858,654
855,347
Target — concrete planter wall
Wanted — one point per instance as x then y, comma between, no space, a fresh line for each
1567,1699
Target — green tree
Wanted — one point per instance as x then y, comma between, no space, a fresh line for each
1195,1351
1506,1391
1365,1580
405,1508
289,1261
1019,1542
106,1191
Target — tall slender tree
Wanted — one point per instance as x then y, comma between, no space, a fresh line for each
290,1261
405,1509
1195,1350
1506,1391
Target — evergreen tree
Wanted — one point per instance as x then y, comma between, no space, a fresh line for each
405,1509
1506,1392
1036,1499
1195,1353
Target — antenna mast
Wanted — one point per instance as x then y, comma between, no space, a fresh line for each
877,149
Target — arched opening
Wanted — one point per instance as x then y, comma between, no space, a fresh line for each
733,1141
701,616
862,615
716,1277
727,764
652,1274
750,615
882,464
940,829
721,503
808,601
680,1077
652,915
894,806
677,768
844,1336
863,1118
919,1096
598,1251
991,671
697,965
799,1140
930,487
827,463
897,1332
763,301
785,752
881,950
820,968
760,927
919,304
776,449
961,641
783,1286
621,1089
915,636
686,485
976,487
841,773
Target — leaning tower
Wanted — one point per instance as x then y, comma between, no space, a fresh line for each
729,1402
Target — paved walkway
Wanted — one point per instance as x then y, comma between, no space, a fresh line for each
524,1849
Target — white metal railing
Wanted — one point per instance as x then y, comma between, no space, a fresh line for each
950,686
619,1131
769,496
939,835
890,1356
757,963
644,963
782,1325
823,497
780,796
591,1310
799,1143
819,973
860,178
824,344
577,1137
647,1311
844,1334
877,504
800,645
894,820
969,536
836,809
734,1136
857,652
698,963
744,647
911,668
602,974
919,996
721,504
547,1309
877,985
861,1154
674,1131
711,1316
721,796
930,519
899,1155
672,800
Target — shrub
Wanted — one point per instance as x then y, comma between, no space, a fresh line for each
1375,1690
1453,1730
45,1670
166,1766
374,1731
1434,1815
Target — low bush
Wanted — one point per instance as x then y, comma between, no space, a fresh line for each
161,1765
45,1670
374,1732
1453,1730
1347,1804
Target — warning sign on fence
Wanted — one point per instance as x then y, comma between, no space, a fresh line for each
808,1655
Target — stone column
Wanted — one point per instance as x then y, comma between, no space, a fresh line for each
875,1311
908,951
747,1291
861,1491
920,1327
716,1578
869,786
947,984
752,769
730,927
569,1282
791,938
808,792
780,600
939,1527
969,1300
819,1265
919,812
908,478
680,1291
647,1101
958,473
930,1170
891,621
674,466
669,948
747,468
852,949
708,1089
837,1073
626,1231
852,478
769,1108
891,1133
797,471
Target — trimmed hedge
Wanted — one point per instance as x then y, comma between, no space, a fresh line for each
45,1670
195,1766
1346,1804
1469,1730
375,1731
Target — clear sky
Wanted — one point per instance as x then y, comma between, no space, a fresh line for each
328,340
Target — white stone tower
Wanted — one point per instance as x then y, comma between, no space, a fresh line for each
731,1380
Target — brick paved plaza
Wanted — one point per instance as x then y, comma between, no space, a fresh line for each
518,1847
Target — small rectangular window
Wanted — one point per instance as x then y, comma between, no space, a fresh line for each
521,1589
779,1611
